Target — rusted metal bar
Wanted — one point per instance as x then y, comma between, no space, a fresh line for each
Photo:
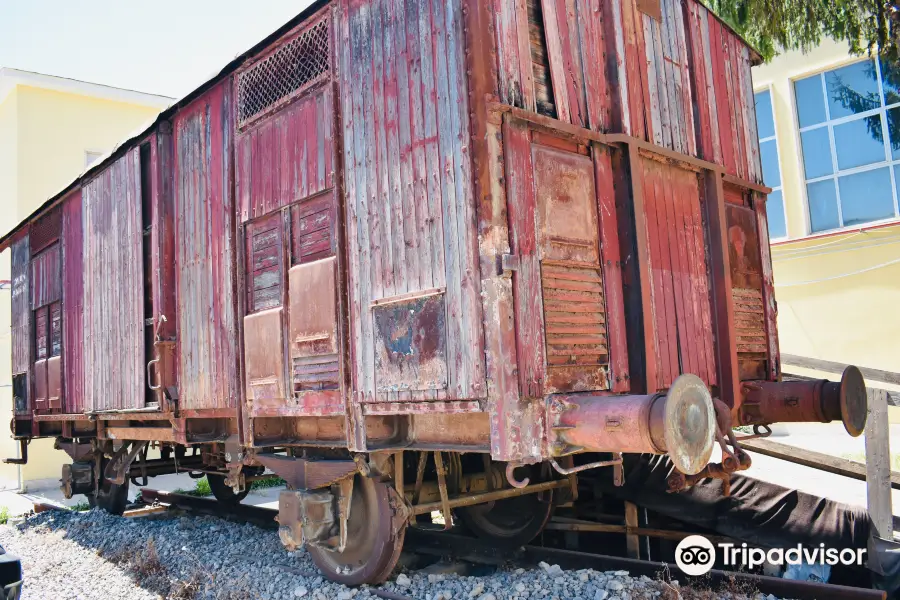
420,476
442,486
23,454
146,434
680,422
262,517
664,534
594,465
765,402
632,539
473,499
398,471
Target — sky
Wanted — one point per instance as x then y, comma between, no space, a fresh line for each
165,47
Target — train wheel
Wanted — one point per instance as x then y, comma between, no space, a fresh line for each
225,493
509,523
375,535
111,497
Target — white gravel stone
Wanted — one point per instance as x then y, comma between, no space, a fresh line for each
95,556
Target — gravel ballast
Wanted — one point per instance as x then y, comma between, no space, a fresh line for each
93,555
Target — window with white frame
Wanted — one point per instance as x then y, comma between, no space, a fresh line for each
849,122
90,157
768,151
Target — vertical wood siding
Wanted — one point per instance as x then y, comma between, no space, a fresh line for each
73,304
286,158
410,204
21,305
113,287
205,253
681,81
679,282
45,277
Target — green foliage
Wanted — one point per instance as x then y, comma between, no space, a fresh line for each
4,515
860,457
201,489
267,483
80,507
773,26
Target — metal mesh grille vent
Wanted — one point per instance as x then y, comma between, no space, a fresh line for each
297,63
46,230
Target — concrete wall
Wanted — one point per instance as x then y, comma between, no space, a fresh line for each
838,293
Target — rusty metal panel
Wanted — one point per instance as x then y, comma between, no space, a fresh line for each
410,199
747,292
41,392
568,237
114,359
54,382
205,253
264,359
411,345
313,342
313,309
46,280
651,8
21,305
678,266
286,157
73,303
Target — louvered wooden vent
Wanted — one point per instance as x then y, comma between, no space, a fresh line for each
264,252
296,64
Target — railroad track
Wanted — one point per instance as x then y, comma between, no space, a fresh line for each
443,544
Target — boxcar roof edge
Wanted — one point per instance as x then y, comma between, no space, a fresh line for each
227,70
128,143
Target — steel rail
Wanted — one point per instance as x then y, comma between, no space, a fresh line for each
449,544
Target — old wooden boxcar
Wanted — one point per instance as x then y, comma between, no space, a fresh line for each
418,255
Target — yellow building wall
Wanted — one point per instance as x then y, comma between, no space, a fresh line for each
839,294
53,131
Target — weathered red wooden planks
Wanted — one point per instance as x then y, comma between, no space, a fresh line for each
678,270
113,287
46,278
73,304
403,244
21,304
205,253
286,158
680,79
